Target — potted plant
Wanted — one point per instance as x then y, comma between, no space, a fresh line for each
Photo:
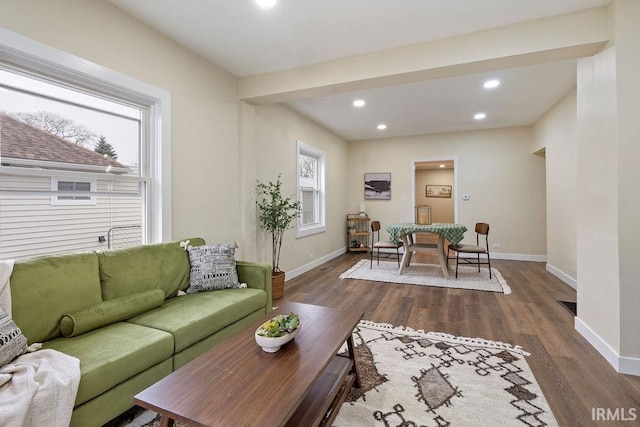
278,331
276,214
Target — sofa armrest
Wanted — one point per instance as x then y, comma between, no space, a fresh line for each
257,276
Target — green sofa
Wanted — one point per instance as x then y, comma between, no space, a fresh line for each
129,328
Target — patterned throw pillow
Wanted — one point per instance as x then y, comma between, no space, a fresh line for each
213,267
12,342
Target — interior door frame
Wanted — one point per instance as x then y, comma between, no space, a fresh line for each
455,183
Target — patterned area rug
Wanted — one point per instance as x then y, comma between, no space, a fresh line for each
429,275
136,417
412,378
416,379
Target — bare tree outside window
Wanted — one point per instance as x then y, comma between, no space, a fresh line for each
307,166
58,125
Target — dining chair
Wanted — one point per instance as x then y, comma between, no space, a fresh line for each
384,244
481,229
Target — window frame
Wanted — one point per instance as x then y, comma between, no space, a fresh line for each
155,150
57,201
303,149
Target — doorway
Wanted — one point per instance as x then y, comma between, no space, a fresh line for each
434,183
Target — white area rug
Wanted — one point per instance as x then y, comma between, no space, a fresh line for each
413,378
429,275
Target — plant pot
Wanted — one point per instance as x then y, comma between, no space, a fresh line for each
277,285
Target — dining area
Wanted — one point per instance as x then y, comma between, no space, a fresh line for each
417,246
446,232
404,232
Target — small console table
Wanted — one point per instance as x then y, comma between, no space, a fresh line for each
358,233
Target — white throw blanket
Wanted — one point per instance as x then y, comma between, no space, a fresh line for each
6,268
39,389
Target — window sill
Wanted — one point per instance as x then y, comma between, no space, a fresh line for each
308,231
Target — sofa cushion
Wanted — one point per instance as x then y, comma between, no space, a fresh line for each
113,354
141,268
191,318
43,289
213,267
12,342
111,311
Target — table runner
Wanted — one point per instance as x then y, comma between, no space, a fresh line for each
452,232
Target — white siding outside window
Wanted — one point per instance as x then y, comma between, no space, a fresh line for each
311,185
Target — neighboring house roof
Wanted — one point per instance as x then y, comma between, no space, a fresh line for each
19,140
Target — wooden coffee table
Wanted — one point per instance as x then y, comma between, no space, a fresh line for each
237,384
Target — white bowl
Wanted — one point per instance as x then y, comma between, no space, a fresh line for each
271,345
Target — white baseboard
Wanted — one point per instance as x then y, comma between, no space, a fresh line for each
629,366
563,276
519,257
315,263
598,343
623,365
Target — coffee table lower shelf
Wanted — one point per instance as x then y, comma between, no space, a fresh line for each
320,406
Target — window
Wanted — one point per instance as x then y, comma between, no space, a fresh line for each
311,190
84,157
66,187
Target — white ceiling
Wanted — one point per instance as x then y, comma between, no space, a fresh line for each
444,105
247,40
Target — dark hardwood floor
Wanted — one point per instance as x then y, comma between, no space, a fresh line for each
575,379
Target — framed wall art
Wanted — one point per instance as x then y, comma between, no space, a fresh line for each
443,191
377,186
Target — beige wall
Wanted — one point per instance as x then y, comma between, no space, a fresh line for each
505,182
627,39
442,209
273,138
597,224
608,200
556,132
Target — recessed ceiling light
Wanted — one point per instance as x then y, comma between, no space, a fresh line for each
382,126
490,84
358,103
266,3
480,116
441,166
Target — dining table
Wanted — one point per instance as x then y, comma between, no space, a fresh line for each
454,233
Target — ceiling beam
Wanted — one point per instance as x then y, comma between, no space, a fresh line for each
540,41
